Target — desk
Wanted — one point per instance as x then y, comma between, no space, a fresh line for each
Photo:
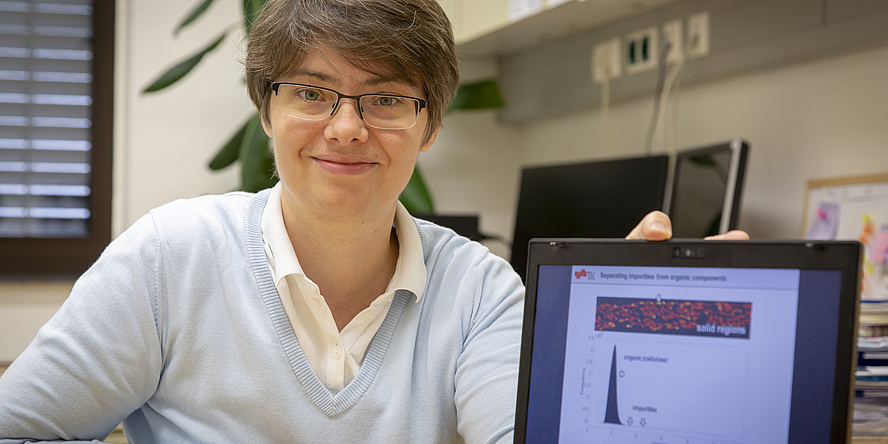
117,436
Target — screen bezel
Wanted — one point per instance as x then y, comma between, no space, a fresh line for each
842,256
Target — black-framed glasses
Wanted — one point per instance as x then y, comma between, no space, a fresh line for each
381,111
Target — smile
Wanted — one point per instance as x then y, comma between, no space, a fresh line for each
347,167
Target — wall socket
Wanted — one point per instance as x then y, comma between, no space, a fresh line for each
672,32
698,35
642,50
606,61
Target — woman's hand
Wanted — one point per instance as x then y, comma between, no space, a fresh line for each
656,226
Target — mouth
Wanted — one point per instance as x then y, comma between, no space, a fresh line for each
344,166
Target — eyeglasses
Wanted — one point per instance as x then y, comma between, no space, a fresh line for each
381,111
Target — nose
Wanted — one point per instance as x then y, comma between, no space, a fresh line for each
346,124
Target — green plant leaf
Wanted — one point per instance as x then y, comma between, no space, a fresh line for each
479,95
193,15
230,151
416,197
256,159
251,11
178,71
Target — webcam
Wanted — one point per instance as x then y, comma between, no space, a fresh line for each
689,252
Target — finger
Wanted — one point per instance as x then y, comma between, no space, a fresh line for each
730,235
656,226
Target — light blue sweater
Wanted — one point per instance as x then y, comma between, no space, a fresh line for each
179,330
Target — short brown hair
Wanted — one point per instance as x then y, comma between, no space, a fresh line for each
411,40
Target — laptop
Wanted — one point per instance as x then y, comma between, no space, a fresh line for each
715,342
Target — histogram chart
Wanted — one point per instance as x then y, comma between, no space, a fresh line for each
669,391
661,392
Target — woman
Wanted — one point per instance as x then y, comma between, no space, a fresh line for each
317,311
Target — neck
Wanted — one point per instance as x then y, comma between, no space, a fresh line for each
351,258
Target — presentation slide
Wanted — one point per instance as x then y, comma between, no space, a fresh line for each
684,356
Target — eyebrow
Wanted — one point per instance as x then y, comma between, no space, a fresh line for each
375,80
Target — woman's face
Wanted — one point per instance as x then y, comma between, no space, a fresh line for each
340,165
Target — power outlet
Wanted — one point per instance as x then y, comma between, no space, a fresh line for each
673,41
642,50
606,61
698,35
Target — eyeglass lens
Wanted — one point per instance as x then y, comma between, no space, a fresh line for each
379,111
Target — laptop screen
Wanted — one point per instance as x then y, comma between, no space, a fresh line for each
686,353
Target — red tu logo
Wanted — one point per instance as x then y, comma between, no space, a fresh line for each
584,274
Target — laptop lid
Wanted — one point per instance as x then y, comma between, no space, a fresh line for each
711,342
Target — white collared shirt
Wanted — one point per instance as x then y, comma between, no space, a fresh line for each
335,356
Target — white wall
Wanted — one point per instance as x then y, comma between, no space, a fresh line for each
475,164
24,308
168,137
820,119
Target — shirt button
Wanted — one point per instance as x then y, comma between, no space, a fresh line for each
336,352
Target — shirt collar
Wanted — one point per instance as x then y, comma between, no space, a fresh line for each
282,258
410,271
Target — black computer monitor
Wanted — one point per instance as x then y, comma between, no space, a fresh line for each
706,189
603,199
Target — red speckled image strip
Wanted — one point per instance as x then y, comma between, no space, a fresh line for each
674,317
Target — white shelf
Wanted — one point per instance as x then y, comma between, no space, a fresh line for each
495,35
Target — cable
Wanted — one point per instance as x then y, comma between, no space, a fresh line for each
661,74
671,78
675,95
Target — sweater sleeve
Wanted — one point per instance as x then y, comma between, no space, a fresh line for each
487,370
99,358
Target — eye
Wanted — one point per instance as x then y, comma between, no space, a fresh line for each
387,101
310,95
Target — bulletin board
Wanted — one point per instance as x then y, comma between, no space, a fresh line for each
853,208
839,208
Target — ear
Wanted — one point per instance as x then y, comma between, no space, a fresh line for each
266,126
425,147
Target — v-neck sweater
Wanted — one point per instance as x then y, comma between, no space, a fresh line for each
335,355
179,331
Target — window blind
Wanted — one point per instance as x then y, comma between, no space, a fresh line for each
46,85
